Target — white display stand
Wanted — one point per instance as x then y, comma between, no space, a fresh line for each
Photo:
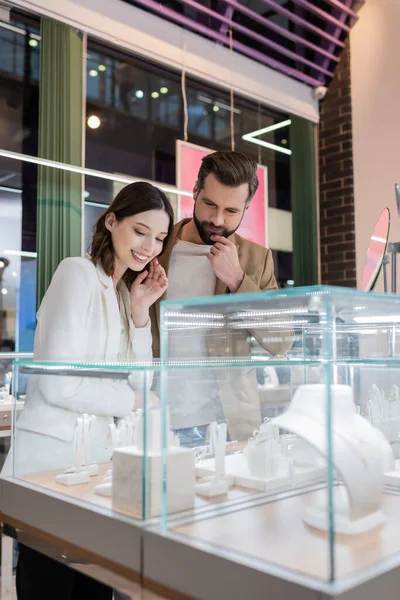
271,380
384,413
217,483
152,426
358,455
128,480
264,455
122,434
238,473
268,462
84,468
136,466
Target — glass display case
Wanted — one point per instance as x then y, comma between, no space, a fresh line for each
9,399
290,402
86,459
90,432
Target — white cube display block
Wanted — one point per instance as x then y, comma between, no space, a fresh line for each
127,488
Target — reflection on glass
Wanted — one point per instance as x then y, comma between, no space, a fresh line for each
19,76
200,109
376,251
165,101
10,264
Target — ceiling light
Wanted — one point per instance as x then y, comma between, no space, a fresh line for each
228,107
33,43
2,264
284,142
204,99
20,253
155,95
215,108
35,160
96,204
102,68
4,291
14,273
164,90
93,73
139,94
253,137
94,122
10,190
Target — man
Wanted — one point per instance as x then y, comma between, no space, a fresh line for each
205,257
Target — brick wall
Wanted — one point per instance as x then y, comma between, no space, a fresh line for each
337,236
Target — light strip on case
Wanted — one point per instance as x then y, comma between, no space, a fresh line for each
89,172
269,324
253,137
379,319
193,324
182,315
269,313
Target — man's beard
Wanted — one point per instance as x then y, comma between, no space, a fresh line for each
205,234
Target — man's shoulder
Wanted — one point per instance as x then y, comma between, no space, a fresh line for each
251,248
178,226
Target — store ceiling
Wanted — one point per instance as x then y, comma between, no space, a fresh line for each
301,38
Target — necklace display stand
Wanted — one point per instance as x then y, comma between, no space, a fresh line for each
121,435
84,468
268,462
357,456
218,483
384,414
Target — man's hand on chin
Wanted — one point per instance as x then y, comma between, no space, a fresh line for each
224,260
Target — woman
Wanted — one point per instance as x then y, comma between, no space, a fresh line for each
96,309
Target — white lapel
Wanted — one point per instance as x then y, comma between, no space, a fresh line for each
113,319
126,301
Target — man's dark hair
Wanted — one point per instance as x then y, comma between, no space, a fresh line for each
230,168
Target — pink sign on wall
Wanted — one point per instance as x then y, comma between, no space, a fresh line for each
254,226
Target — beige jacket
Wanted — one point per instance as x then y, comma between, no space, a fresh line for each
238,386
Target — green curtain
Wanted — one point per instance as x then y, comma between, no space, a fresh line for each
304,202
59,203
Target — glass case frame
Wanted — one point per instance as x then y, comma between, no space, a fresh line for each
339,336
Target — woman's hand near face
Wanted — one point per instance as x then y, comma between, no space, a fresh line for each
147,288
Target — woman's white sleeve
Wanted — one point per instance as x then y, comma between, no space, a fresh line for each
141,341
63,335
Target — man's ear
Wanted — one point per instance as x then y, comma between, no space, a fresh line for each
109,221
195,191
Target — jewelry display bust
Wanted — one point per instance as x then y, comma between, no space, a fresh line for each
357,455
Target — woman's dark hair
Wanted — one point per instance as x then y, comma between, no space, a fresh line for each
133,199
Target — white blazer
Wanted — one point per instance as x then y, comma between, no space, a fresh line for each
79,321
